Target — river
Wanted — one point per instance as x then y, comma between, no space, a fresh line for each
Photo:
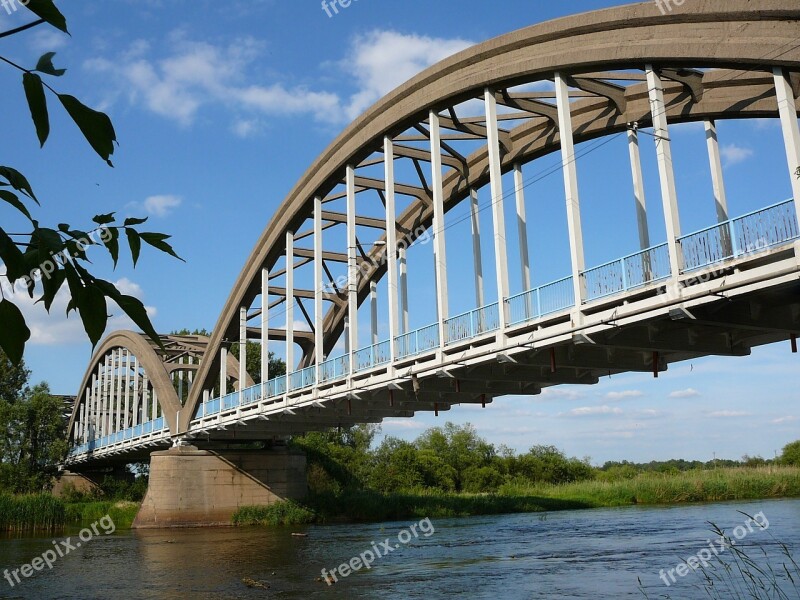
573,554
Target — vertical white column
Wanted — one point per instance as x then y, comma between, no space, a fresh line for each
154,410
179,375
666,171
145,399
223,372
439,248
373,303
93,409
403,256
522,228
568,162
391,244
87,399
290,364
319,317
638,189
791,131
715,161
498,205
477,256
137,405
242,352
126,415
264,332
108,396
118,425
352,268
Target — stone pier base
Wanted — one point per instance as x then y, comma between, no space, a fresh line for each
199,488
69,481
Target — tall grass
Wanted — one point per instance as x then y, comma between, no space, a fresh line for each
283,513
31,512
691,486
122,512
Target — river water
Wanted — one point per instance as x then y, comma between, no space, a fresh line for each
574,554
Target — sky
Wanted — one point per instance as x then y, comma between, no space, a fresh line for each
220,107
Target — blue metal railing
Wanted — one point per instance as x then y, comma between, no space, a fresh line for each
627,273
472,324
750,233
130,433
418,341
541,301
335,368
373,356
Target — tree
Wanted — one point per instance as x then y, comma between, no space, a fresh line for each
253,363
13,379
791,454
34,438
42,260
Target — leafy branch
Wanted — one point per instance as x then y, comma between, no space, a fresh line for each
57,256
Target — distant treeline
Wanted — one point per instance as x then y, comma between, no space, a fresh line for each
456,459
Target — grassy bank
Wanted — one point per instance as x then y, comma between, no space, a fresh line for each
648,489
691,486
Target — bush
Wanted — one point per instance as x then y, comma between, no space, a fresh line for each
791,455
31,512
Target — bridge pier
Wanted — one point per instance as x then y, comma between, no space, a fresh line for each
202,488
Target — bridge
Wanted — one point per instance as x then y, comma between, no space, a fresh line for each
467,131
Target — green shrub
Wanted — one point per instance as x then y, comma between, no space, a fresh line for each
31,512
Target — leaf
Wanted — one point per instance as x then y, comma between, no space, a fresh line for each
46,10
45,65
12,257
14,201
18,182
112,244
14,332
132,307
130,221
103,219
37,103
94,313
135,243
95,126
50,287
157,240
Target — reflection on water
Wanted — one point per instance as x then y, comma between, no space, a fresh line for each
577,554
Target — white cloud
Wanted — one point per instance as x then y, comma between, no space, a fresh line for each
624,395
161,205
733,154
55,328
592,411
727,414
382,60
559,393
782,420
687,393
47,39
197,74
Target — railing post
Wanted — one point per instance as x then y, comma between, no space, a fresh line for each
625,281
734,241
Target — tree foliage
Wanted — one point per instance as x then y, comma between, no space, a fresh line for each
44,259
34,433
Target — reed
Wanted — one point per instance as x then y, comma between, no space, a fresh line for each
83,513
31,512
285,513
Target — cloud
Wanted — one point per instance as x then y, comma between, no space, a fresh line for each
559,393
624,395
382,60
782,420
162,205
593,411
56,329
193,75
733,154
687,393
47,39
727,414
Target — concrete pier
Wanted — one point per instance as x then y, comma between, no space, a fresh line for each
200,488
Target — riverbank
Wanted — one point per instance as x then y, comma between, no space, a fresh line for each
719,485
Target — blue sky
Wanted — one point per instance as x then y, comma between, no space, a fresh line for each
220,107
